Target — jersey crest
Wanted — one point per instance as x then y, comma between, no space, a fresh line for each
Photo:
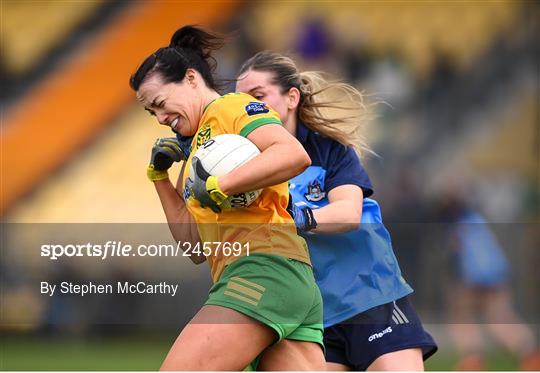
204,134
315,192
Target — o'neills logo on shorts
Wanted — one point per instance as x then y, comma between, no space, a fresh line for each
380,334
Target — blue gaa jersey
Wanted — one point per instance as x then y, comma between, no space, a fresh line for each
356,270
481,259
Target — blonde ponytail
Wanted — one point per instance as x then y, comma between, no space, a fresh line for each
332,108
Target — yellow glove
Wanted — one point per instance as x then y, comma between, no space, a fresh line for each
212,186
155,175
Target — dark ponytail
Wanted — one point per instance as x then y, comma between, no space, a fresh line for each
190,47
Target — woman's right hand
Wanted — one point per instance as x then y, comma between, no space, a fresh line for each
164,153
302,215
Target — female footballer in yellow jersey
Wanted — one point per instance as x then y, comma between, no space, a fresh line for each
265,306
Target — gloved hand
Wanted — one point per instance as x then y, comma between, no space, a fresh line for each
303,216
205,187
165,152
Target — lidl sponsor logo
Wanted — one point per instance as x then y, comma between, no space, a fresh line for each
254,108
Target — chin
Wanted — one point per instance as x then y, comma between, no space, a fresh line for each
186,133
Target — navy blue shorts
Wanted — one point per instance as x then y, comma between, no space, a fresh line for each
360,340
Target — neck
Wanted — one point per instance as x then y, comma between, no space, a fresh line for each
208,95
290,123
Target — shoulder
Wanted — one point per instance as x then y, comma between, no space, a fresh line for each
340,162
324,149
236,100
238,105
239,113
316,144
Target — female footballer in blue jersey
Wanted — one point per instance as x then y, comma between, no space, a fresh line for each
369,322
481,288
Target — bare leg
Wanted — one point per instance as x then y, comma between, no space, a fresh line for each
505,325
293,355
337,367
410,359
218,338
464,330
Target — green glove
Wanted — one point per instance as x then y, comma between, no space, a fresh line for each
165,152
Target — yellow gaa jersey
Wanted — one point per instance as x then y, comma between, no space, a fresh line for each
264,226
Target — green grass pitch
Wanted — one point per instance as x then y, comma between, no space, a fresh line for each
138,353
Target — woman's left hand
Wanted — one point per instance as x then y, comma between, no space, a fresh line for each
205,187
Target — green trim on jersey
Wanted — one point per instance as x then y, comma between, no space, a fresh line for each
248,128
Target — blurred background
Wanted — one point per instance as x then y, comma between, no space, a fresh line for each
455,93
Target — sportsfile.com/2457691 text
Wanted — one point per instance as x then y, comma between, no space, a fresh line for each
120,249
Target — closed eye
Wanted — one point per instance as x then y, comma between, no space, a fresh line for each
256,93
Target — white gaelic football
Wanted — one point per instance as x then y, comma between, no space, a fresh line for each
222,154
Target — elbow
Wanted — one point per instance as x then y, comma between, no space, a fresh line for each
353,221
197,259
306,161
352,226
301,162
357,218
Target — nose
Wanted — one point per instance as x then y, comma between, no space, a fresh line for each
162,118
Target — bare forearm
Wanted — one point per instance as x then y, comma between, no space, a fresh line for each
271,167
181,223
336,217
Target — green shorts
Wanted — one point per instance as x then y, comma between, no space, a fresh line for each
279,292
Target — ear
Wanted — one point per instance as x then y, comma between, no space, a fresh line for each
191,77
293,98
